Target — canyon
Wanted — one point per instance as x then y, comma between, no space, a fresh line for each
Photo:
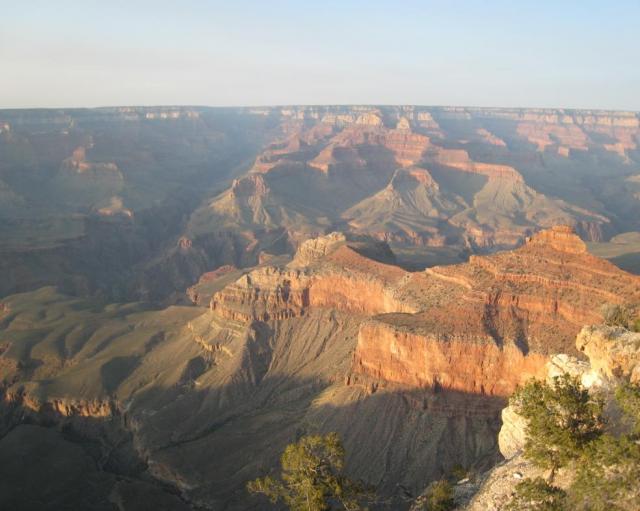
186,290
412,369
136,203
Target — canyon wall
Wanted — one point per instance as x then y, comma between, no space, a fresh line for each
464,364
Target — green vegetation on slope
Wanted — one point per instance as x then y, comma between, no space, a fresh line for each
312,478
562,418
566,429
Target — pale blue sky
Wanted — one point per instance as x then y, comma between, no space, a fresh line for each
573,54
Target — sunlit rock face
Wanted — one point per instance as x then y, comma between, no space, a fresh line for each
453,327
614,353
613,358
462,364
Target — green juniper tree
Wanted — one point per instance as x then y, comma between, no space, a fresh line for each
538,495
562,418
312,478
565,427
628,397
607,476
609,471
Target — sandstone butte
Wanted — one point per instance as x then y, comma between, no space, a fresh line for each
481,327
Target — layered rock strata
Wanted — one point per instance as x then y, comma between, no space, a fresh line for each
453,327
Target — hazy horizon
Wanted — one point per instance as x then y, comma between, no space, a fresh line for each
318,105
578,55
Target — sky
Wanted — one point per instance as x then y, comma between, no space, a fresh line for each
517,53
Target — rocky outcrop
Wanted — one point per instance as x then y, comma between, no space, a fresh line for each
613,352
613,356
313,250
61,406
561,238
512,433
345,281
453,328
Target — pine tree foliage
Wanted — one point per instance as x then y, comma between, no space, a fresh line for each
565,428
562,418
538,495
312,478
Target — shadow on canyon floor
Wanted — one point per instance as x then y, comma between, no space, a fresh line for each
53,462
185,447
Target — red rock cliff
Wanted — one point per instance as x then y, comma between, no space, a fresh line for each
481,327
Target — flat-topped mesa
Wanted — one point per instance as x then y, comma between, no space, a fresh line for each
552,282
264,294
299,143
428,124
407,147
275,293
489,324
403,124
369,119
336,153
562,238
546,134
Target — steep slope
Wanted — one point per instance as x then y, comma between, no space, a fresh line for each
201,395
410,209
